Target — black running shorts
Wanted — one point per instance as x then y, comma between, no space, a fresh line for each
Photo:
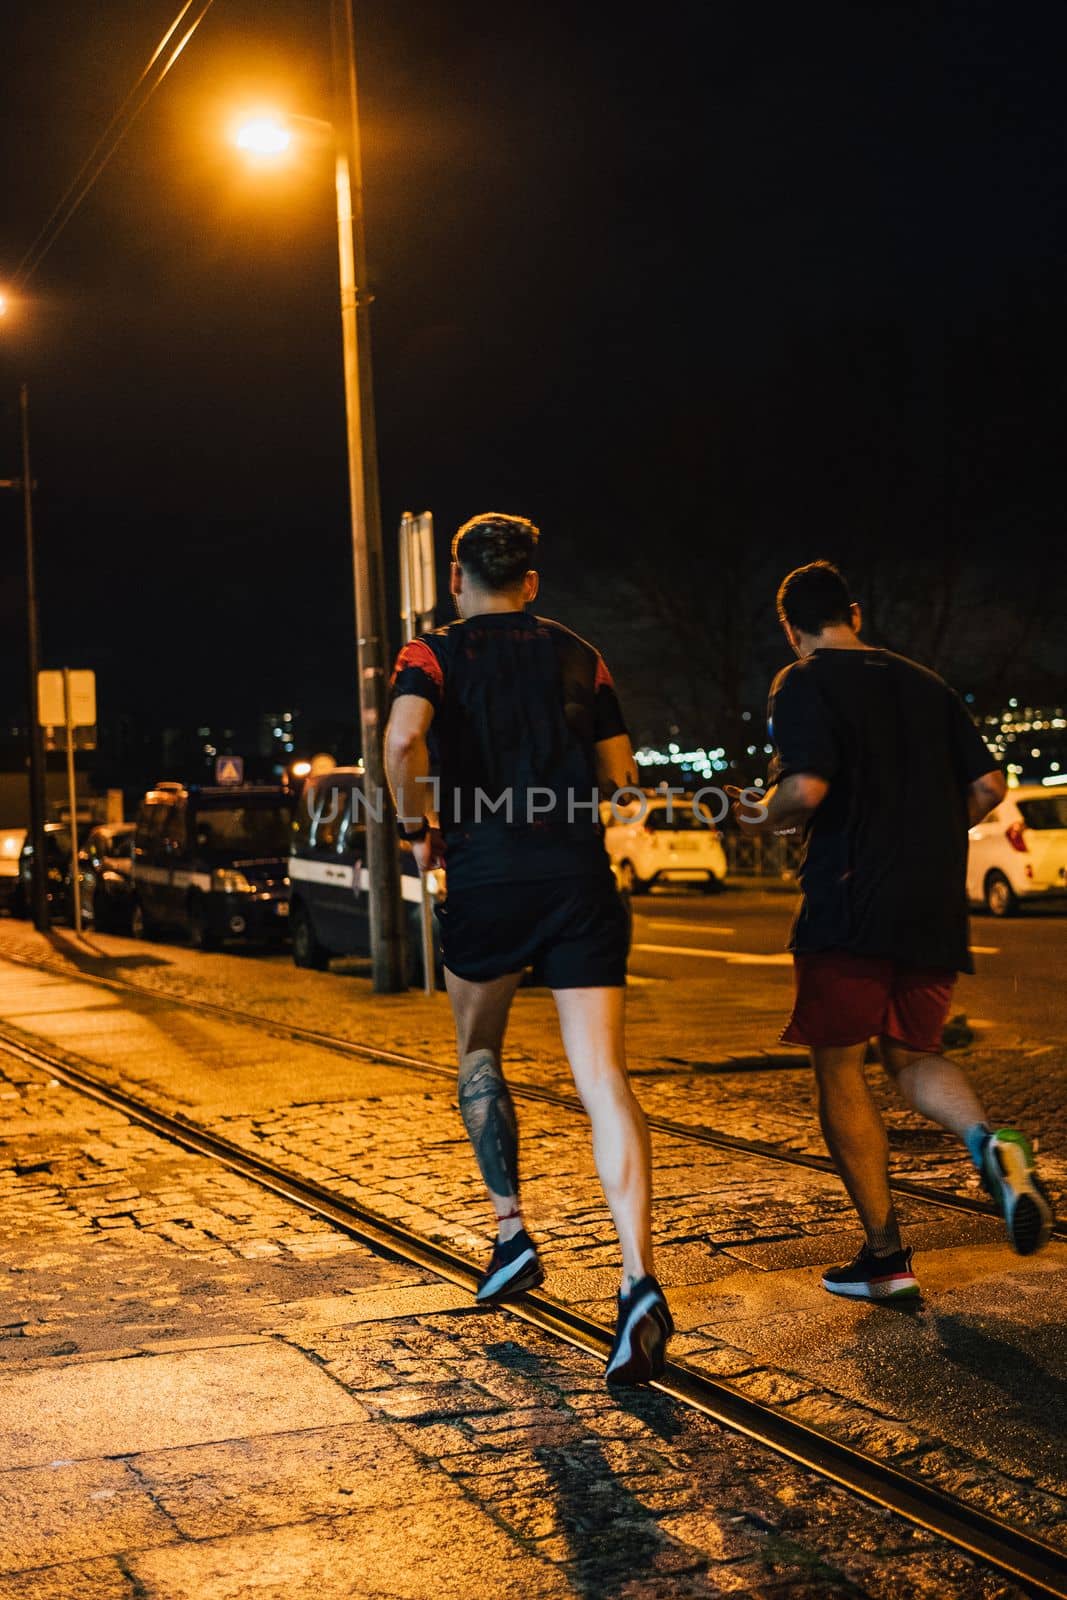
573,932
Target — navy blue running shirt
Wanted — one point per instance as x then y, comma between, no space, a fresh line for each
885,866
520,704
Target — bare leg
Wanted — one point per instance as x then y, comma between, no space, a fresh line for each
481,1016
856,1138
935,1088
591,1021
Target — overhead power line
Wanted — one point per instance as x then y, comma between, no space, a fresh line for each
108,142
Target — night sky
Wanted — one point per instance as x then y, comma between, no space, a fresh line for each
707,291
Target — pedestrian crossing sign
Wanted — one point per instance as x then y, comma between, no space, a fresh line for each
229,769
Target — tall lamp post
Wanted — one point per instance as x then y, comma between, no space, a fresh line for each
24,485
37,795
271,137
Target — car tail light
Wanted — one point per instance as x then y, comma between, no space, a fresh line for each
1016,836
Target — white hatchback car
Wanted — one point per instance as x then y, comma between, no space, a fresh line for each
1020,851
653,845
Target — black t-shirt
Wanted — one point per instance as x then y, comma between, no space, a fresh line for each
520,704
886,859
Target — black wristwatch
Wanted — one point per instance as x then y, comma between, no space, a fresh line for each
418,833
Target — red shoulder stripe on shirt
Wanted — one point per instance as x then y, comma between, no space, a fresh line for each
418,654
603,677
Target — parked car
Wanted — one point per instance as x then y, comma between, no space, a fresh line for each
211,862
657,843
11,843
106,876
329,911
57,869
1019,852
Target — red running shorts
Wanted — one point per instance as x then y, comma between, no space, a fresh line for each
844,999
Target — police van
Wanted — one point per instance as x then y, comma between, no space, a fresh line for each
329,901
212,862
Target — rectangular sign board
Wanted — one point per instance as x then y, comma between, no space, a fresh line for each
418,577
52,714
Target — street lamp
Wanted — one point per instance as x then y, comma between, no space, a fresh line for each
267,137
264,136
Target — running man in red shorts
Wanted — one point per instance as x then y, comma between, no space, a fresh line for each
521,721
879,764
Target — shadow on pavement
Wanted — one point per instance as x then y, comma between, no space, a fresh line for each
90,958
1016,1373
615,1539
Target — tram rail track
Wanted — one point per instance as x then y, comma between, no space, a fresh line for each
337,1044
1039,1567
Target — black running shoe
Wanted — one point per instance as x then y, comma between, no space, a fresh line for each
512,1268
872,1277
644,1325
1008,1175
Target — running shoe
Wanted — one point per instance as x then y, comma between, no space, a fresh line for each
1008,1175
644,1325
513,1267
872,1277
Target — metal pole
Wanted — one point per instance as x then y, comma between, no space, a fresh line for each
39,895
383,868
72,791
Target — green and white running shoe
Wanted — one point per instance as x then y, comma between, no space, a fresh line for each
1008,1175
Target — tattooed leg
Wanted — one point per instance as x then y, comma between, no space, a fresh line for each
481,1014
488,1113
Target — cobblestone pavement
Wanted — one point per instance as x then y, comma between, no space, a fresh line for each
680,1037
970,1392
207,1394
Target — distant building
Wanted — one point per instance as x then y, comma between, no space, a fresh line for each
1031,741
275,736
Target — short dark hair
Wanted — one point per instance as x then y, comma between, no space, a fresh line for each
496,550
813,597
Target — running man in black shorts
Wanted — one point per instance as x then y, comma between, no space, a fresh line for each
520,720
879,765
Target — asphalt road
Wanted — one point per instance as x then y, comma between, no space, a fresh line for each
1021,962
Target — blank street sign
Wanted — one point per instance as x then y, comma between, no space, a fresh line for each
418,579
51,712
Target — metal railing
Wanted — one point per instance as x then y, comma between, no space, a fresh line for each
777,856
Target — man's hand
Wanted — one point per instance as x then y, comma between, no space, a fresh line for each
784,809
984,795
749,815
429,851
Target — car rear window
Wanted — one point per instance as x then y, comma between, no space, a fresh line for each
248,829
680,820
1050,811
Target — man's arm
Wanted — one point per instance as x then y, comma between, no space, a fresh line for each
786,808
615,765
407,758
984,794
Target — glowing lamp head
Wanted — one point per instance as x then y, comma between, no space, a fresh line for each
301,769
3,304
264,136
